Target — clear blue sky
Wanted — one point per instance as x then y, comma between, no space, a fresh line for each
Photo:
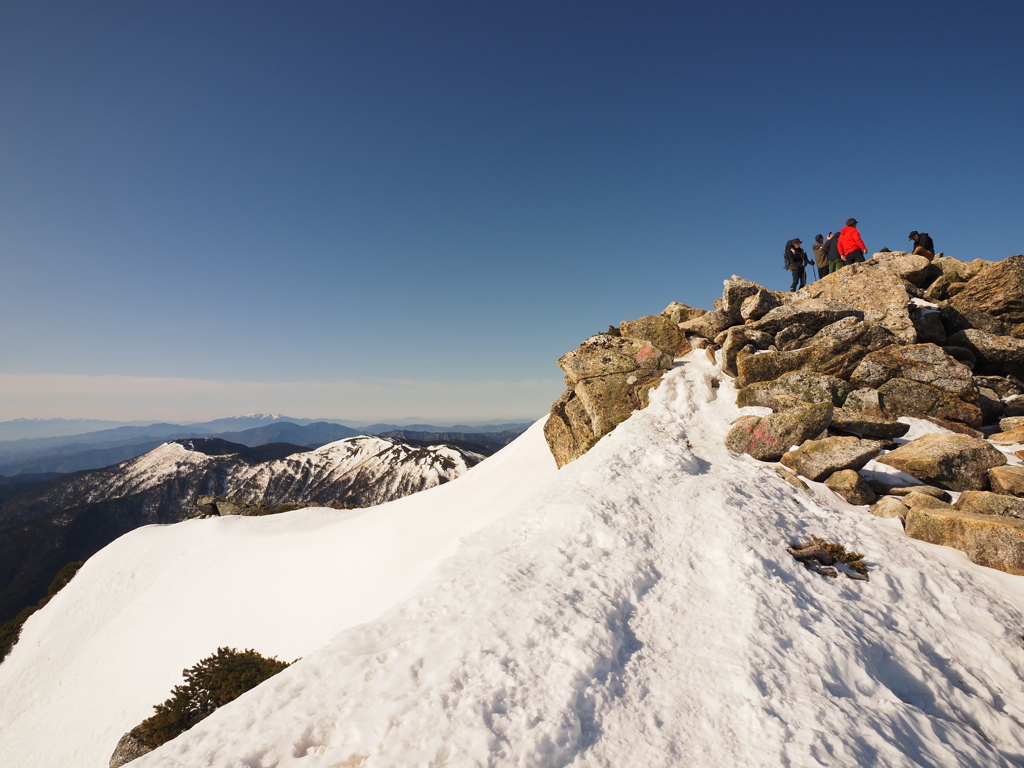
380,209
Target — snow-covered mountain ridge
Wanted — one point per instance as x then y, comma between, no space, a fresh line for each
636,607
73,517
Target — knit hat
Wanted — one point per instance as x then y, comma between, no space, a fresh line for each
851,222
818,238
912,235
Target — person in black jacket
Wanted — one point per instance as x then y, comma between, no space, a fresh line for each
923,245
796,260
835,261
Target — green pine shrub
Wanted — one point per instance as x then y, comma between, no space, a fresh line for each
209,685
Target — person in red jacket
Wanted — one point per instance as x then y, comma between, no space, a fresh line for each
851,247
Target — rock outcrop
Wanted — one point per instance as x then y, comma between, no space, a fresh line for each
608,378
844,364
954,462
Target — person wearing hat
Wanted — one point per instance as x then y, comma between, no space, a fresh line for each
796,259
851,246
820,255
923,245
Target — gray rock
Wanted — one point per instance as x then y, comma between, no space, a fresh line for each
708,325
817,459
918,362
989,540
875,289
1001,385
953,462
906,490
914,269
1011,423
991,406
679,313
768,438
659,331
989,503
804,385
889,506
997,290
866,425
758,305
128,748
864,401
851,486
608,377
903,397
813,314
735,292
914,499
835,350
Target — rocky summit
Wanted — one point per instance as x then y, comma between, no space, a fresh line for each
844,366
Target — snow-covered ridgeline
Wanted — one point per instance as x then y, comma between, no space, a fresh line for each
381,468
635,608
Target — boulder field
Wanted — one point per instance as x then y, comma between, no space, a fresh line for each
838,363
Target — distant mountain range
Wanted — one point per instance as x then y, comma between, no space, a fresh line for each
92,450
46,524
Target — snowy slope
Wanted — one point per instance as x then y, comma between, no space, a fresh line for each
374,468
634,608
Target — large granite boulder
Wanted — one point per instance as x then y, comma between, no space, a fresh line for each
768,438
889,506
835,350
867,425
848,484
608,378
817,459
989,503
989,540
736,340
736,291
999,355
812,314
914,269
678,313
918,362
864,401
904,397
875,289
659,331
708,325
1008,438
953,462
1007,480
997,290
804,385
758,305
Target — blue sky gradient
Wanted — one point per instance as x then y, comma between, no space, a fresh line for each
448,195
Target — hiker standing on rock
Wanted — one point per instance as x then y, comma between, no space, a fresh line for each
820,255
835,262
796,259
923,245
851,247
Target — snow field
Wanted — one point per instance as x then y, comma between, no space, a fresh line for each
115,641
639,608
636,607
